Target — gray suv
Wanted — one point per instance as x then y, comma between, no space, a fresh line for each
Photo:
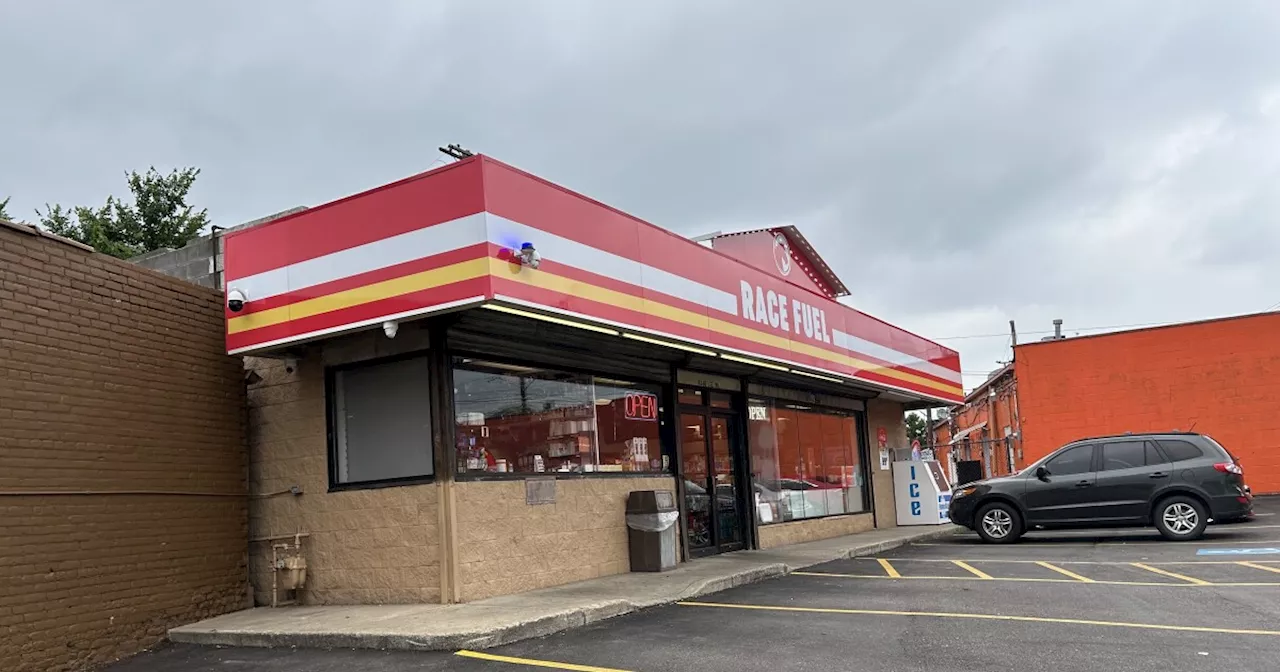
1178,482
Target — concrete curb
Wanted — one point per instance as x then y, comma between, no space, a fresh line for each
537,627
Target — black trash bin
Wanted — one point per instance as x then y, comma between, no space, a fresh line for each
651,530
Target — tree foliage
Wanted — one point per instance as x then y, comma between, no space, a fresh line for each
3,214
158,218
917,428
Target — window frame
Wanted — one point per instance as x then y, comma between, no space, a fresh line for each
665,388
331,424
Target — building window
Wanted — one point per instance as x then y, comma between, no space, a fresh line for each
381,422
805,462
530,420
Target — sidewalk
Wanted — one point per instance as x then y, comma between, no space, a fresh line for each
510,618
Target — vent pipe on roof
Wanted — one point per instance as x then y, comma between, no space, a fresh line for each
1057,329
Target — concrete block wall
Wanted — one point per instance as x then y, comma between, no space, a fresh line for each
507,546
123,501
199,261
370,546
800,531
891,416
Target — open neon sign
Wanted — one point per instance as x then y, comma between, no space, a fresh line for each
640,406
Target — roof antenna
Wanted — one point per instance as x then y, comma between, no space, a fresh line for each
456,151
1193,427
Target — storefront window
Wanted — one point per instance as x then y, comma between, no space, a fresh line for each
528,420
805,461
381,422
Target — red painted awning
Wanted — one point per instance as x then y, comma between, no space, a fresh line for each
443,240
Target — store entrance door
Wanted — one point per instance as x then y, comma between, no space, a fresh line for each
711,457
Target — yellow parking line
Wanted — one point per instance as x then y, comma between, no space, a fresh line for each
976,572
988,617
1103,542
1258,566
888,569
1077,562
1065,572
1157,570
1161,584
530,662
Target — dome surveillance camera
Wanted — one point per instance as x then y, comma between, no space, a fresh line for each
236,300
390,328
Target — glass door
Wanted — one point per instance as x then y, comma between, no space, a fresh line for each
729,536
712,497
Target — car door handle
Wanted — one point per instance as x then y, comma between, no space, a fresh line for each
1159,474
1084,484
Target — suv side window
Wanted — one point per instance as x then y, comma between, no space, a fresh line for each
1074,460
1179,450
1123,455
1153,455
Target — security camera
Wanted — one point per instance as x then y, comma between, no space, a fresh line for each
236,300
290,364
529,256
390,328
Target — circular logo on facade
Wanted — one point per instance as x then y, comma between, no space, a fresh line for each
782,254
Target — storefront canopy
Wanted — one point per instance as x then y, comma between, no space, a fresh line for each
451,238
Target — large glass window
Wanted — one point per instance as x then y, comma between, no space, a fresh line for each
381,416
529,420
804,461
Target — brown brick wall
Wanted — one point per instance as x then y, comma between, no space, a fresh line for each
371,546
114,384
507,546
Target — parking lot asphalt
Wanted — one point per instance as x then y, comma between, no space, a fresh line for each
1062,601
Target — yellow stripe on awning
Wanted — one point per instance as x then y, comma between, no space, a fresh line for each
584,290
436,277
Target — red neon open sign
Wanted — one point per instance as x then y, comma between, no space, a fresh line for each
640,406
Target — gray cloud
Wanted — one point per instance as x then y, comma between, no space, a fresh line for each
959,164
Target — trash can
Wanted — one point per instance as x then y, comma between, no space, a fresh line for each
651,530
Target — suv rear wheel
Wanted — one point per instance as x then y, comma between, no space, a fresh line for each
998,523
1181,518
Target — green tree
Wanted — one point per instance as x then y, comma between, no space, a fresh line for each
917,428
3,204
159,216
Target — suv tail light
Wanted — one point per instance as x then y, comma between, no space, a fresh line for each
1229,468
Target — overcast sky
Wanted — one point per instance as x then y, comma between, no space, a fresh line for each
959,164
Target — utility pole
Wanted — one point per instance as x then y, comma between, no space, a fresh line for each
1015,411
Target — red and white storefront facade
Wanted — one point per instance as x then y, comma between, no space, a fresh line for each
440,253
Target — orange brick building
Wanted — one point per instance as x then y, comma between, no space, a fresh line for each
1219,377
985,428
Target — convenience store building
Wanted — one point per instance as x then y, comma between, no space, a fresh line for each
457,378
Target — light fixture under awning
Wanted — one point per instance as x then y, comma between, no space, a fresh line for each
960,437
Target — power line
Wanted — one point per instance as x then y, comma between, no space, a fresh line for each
1272,306
1050,331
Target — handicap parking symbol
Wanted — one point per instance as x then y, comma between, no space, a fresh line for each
1238,551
